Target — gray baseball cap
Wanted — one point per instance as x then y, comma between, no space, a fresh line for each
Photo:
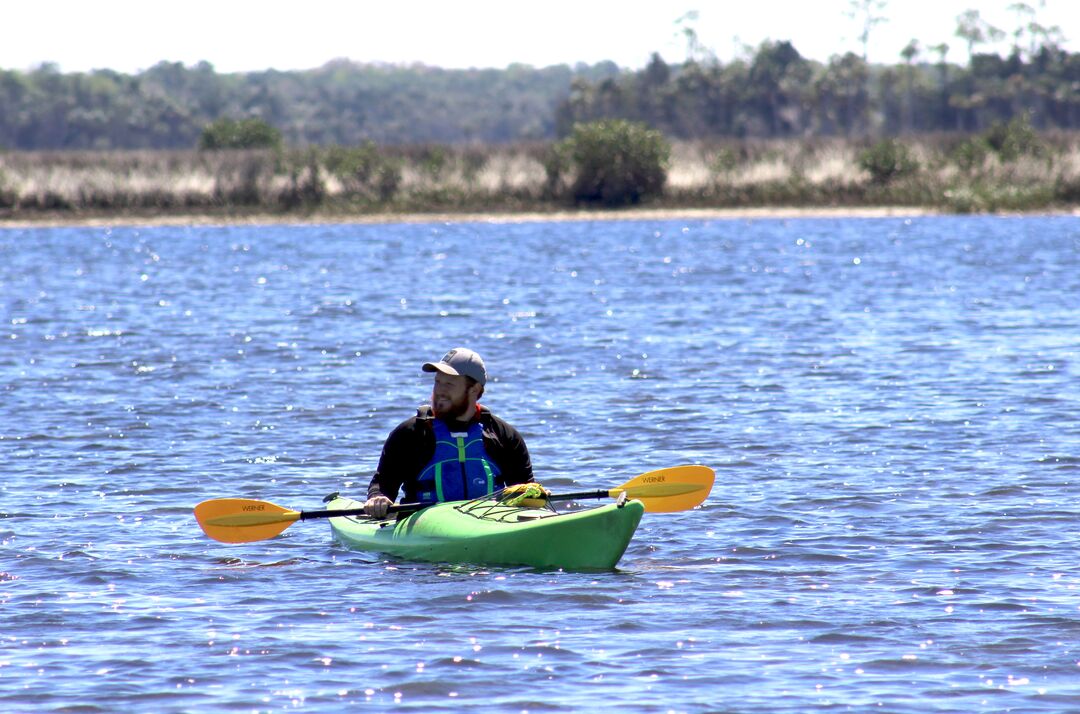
460,361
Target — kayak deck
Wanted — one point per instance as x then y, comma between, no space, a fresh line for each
487,532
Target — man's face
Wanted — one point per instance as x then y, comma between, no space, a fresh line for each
450,396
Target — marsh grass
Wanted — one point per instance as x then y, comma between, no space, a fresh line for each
952,173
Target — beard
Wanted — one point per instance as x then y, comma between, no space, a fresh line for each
450,407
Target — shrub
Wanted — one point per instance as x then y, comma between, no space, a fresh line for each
1015,139
305,187
8,197
725,162
226,133
365,170
473,162
887,160
387,179
970,154
614,162
556,162
240,178
433,161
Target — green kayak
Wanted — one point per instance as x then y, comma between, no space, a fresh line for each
487,532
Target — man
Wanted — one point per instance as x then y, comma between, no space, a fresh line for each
452,450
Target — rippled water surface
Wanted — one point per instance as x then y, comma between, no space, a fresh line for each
891,406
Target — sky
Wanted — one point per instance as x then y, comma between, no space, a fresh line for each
240,35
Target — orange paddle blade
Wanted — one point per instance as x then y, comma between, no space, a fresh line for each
242,520
678,488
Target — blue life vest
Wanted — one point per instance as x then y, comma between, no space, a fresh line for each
460,469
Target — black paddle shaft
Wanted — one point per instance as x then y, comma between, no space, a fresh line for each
397,508
579,494
408,507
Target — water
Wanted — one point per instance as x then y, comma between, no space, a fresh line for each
890,404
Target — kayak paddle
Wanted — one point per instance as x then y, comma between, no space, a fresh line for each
244,520
678,488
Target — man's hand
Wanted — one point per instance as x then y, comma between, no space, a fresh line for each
530,494
377,507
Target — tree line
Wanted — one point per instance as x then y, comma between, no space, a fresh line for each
169,105
777,93
773,92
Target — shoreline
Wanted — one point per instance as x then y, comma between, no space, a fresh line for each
631,214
